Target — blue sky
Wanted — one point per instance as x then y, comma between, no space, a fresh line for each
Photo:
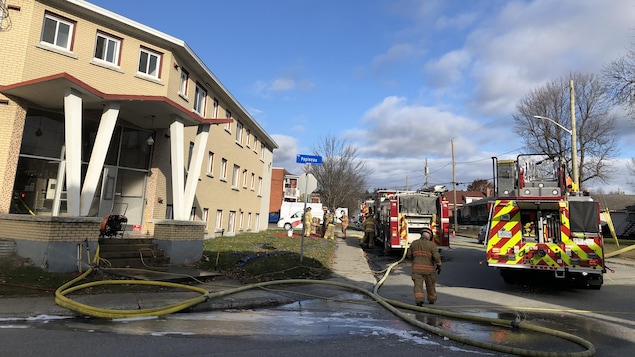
399,79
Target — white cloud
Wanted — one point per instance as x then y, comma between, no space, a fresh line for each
395,54
448,69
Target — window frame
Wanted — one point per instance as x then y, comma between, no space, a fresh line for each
239,133
116,51
245,178
228,126
235,176
223,169
159,62
219,220
59,20
184,84
215,109
210,164
200,99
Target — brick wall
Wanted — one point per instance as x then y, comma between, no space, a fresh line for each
170,230
49,229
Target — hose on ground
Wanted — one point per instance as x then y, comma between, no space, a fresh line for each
390,305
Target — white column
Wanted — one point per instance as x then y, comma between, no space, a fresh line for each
73,141
196,162
178,174
98,156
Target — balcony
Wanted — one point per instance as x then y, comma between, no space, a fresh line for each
291,193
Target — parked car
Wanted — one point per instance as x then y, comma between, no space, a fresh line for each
482,234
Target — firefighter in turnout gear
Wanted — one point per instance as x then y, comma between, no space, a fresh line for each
425,256
329,223
307,221
369,232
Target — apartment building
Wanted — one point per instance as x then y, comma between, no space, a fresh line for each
103,115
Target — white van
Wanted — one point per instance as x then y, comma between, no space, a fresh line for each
294,220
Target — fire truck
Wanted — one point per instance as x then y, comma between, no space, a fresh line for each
401,216
540,226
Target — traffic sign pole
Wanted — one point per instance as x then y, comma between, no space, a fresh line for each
306,159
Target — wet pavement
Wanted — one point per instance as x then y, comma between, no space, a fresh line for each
322,312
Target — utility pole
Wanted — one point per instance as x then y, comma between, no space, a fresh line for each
574,140
426,173
456,224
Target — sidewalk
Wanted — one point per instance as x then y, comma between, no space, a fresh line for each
349,266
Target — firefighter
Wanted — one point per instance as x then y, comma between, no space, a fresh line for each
323,225
425,256
344,219
307,221
329,223
369,232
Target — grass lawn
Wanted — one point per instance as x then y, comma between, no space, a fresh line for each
249,257
268,255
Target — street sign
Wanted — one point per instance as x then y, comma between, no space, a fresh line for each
308,159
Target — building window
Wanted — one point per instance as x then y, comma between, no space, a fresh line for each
223,169
210,163
241,218
193,214
199,100
107,48
255,144
248,134
244,178
239,132
206,216
252,183
58,31
249,221
259,186
257,223
262,151
219,220
169,211
185,77
235,176
231,224
149,62
215,109
228,115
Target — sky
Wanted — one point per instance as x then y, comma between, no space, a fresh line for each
400,80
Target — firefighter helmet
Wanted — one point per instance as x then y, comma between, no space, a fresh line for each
427,230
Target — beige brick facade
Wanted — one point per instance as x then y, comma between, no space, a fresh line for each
37,75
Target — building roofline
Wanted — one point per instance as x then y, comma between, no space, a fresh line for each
177,43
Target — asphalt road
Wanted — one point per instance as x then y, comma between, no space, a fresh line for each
604,317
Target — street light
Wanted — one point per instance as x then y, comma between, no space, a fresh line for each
574,146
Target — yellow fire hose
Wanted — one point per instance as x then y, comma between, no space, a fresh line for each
62,300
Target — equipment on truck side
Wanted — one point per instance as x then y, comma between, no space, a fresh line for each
540,226
402,215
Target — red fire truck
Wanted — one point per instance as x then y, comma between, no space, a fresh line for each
540,226
402,215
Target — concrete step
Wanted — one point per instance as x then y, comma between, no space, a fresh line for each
131,252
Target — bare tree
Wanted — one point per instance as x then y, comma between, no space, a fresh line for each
342,175
619,78
480,185
594,122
